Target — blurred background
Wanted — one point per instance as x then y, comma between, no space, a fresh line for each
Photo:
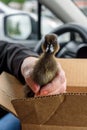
27,21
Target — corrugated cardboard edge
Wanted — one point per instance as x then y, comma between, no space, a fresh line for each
36,105
48,127
70,114
33,105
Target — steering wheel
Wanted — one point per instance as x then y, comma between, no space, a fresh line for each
70,48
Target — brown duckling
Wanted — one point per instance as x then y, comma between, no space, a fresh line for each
46,67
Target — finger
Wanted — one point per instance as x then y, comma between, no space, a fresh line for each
61,89
58,83
51,86
35,87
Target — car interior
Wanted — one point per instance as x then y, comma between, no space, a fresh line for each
72,37
70,48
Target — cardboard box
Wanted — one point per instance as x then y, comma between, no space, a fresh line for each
57,112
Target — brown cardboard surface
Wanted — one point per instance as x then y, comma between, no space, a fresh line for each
10,89
64,112
76,73
71,112
49,127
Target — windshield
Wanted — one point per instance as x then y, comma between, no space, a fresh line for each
82,5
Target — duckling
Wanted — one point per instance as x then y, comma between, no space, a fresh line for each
46,67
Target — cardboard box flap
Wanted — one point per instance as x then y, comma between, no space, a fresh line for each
10,88
5,102
10,85
76,73
70,112
38,109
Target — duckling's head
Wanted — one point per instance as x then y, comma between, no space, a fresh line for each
50,44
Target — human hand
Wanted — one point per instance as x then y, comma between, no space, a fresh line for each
58,84
26,70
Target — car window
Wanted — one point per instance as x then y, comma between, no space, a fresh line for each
49,21
82,5
1,11
66,37
78,38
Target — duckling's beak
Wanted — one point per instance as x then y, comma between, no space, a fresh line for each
49,48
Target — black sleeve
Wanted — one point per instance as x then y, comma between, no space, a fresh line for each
12,56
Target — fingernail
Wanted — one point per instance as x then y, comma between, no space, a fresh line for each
44,92
36,88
